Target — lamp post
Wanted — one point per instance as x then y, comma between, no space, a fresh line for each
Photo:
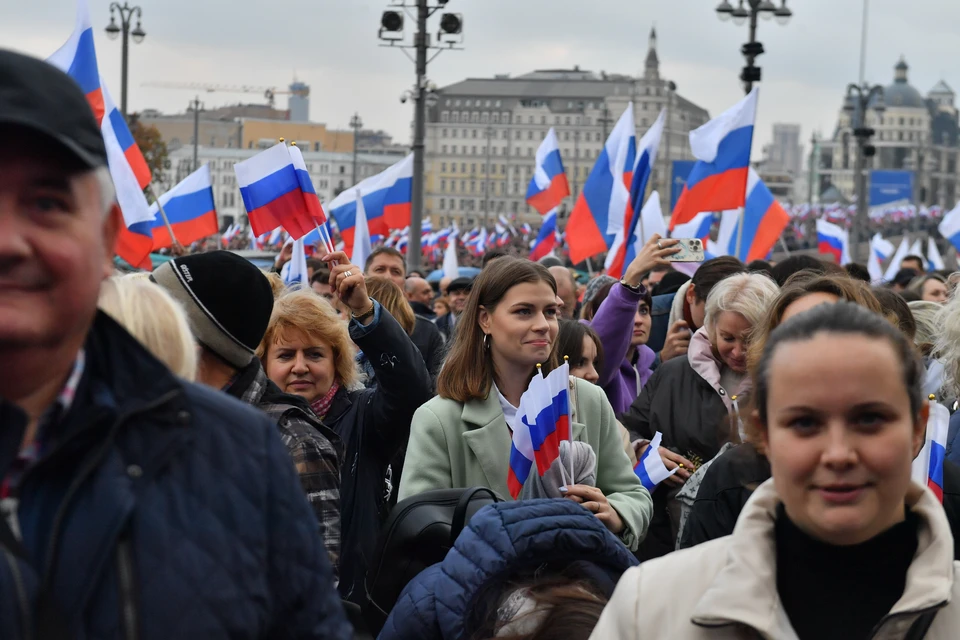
113,30
757,8
196,106
859,99
355,123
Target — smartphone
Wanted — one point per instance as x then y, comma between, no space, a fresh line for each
691,250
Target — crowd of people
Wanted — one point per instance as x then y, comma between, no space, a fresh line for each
201,452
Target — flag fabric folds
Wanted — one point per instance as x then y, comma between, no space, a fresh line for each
834,241
295,271
880,250
927,468
546,239
950,227
451,269
387,202
190,209
763,221
128,168
272,192
934,259
902,252
549,185
650,468
601,208
650,222
718,181
361,245
541,424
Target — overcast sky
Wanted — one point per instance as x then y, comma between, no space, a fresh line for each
332,46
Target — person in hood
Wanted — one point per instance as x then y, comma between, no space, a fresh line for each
840,542
528,569
309,352
134,503
622,320
693,401
228,301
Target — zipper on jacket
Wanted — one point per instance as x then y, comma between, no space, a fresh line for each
127,592
26,620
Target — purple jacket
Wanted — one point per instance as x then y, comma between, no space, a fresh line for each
614,324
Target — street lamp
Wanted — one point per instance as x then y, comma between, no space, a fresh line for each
764,9
113,30
859,99
355,123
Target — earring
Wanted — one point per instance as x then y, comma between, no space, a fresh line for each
486,341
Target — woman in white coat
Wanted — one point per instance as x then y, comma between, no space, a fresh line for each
839,543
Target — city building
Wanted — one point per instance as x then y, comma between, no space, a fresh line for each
784,153
482,135
330,173
913,133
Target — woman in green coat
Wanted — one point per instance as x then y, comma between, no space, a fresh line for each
462,439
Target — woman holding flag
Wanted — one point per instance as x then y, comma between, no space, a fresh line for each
463,437
840,543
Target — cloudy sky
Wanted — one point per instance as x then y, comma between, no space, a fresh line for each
332,46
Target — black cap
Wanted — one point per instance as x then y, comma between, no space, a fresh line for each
460,284
37,96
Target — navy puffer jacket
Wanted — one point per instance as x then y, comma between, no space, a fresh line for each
501,540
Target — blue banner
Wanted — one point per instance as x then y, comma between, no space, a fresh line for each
678,178
890,187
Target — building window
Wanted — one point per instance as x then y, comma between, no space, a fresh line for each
473,150
566,135
343,169
497,104
455,117
453,186
444,115
517,134
485,117
443,133
530,135
473,186
475,117
467,103
516,151
529,151
340,185
443,167
225,199
463,167
503,188
464,132
556,119
586,121
495,118
444,148
566,120
442,204
514,206
233,201
473,134
453,134
473,167
463,186
503,169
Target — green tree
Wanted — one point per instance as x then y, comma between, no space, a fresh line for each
153,147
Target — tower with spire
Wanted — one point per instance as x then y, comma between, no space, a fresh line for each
652,67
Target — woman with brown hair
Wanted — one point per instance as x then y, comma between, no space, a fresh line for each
462,438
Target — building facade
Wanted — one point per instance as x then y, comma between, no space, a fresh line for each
482,135
330,173
913,133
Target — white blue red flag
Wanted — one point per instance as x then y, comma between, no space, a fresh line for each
651,222
880,250
833,240
934,259
272,194
190,209
361,240
764,219
549,186
950,227
295,271
387,201
927,467
541,424
718,181
546,240
650,468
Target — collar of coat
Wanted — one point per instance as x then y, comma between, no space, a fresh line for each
740,592
704,363
489,437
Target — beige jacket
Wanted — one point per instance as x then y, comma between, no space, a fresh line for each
725,589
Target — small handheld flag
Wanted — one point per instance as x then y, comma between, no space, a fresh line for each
650,468
927,467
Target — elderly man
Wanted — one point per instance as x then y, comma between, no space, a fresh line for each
134,503
566,290
420,296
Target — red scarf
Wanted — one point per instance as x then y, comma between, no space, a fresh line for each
321,406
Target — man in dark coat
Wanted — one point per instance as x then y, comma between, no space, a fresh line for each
135,504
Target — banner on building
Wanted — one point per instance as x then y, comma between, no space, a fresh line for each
890,188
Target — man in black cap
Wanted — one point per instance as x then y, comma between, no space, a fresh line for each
457,292
229,302
134,503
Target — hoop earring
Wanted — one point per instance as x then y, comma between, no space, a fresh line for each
486,341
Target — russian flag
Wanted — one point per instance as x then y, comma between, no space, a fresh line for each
190,209
880,250
601,208
272,194
718,181
949,227
832,240
128,169
934,259
699,227
549,186
650,468
927,467
310,198
387,200
547,237
625,251
541,423
764,219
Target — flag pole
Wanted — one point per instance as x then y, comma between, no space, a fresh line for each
740,218
784,245
163,214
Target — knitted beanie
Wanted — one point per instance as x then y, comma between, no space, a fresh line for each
594,287
227,300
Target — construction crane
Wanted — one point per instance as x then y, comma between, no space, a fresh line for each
269,93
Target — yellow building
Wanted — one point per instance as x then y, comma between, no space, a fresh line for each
257,132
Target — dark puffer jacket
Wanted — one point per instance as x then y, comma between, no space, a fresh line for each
374,425
733,477
164,510
502,541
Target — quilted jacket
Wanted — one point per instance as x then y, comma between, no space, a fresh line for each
165,510
501,541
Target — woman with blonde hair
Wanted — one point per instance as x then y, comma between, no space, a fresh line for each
309,351
692,401
153,317
462,438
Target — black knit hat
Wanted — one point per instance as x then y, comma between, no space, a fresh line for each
227,299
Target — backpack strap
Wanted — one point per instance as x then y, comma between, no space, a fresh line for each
460,511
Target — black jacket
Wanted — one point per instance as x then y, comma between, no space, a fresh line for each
732,478
423,310
163,510
429,342
447,327
374,425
